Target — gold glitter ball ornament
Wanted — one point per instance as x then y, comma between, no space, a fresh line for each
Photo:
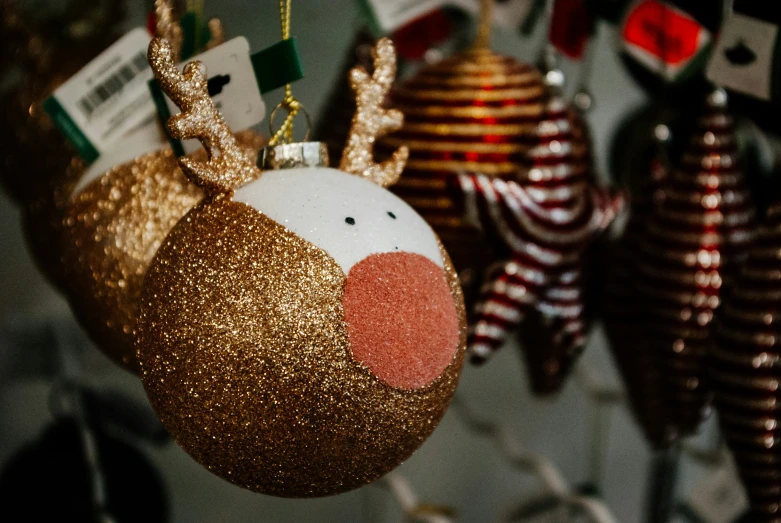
112,227
303,333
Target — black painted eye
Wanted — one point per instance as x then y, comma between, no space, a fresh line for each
350,221
391,215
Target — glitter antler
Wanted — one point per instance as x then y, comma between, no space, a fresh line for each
228,166
371,120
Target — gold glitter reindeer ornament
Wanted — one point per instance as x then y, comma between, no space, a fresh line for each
302,331
115,221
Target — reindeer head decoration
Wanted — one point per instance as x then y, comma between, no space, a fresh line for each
269,310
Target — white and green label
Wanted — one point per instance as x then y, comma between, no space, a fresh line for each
107,98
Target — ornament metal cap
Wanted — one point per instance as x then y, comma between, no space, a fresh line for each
292,155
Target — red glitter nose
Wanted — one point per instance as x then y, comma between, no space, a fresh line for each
401,318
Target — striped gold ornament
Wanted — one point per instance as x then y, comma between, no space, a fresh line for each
476,111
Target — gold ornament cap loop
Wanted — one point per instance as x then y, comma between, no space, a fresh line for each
292,155
286,125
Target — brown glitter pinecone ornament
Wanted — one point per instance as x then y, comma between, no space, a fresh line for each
696,238
745,371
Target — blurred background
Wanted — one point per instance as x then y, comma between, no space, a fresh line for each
458,468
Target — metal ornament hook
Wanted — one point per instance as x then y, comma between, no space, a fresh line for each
287,124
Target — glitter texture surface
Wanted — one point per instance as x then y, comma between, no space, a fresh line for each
228,166
110,233
245,358
401,320
371,120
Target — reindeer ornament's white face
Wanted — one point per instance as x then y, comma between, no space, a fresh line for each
347,216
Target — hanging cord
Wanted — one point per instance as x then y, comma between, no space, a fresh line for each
289,103
168,28
582,99
483,38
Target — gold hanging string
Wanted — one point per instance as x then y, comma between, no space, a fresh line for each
483,39
168,28
289,103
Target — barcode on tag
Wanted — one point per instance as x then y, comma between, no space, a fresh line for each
108,98
113,85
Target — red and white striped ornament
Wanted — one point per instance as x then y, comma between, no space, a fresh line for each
476,111
546,218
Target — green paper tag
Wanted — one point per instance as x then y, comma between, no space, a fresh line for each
72,132
277,65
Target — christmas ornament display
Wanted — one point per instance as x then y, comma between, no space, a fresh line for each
744,370
476,111
696,237
546,218
302,331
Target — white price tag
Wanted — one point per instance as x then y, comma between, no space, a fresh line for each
509,13
390,15
232,85
107,99
743,57
720,498
393,14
